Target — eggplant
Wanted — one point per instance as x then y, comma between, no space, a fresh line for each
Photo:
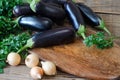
56,5
34,23
91,18
20,10
75,18
54,13
51,37
55,1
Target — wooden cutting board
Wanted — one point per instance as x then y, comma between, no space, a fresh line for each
82,61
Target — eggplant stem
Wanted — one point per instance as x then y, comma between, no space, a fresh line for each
33,4
15,25
16,20
81,31
105,29
29,44
28,1
74,1
102,26
83,35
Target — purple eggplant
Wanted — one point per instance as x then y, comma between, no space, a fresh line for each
24,9
55,1
91,18
51,37
53,12
75,18
34,23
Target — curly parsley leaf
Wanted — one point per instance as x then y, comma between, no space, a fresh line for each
6,7
6,16
100,40
12,44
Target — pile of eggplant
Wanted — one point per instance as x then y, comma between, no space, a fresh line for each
42,15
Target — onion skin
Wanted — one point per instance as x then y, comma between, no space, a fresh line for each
32,60
49,68
13,59
36,72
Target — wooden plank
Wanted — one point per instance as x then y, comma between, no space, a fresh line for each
77,59
109,10
103,6
113,24
22,73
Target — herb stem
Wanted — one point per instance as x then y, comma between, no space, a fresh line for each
29,44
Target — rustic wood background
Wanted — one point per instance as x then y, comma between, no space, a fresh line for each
109,10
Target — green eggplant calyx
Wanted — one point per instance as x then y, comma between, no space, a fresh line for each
16,20
33,4
102,26
29,44
81,31
74,1
27,1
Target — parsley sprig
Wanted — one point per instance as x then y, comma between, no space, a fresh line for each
12,43
100,40
6,16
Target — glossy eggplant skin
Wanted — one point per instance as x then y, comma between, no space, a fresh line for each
55,13
20,10
90,17
53,37
55,1
74,14
35,23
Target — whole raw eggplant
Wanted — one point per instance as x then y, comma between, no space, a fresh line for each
35,23
75,17
53,12
20,10
91,18
57,36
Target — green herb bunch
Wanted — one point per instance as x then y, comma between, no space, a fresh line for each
6,7
100,40
6,18
12,44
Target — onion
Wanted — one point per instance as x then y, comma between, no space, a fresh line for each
32,60
13,59
36,72
49,67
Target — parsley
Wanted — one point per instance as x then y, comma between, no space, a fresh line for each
99,40
12,43
6,27
6,7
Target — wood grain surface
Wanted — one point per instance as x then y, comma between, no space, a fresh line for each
21,72
109,10
88,62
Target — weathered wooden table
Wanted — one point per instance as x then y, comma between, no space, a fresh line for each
109,10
